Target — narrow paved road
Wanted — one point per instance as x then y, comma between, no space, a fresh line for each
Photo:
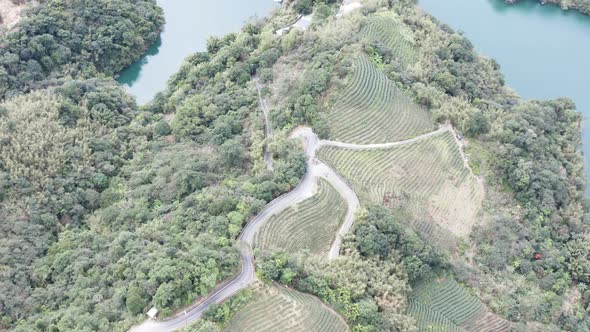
305,189
352,201
352,146
194,313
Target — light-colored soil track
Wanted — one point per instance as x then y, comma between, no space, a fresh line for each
267,126
10,13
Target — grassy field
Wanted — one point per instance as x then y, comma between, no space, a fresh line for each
371,109
444,305
385,29
310,225
280,309
426,178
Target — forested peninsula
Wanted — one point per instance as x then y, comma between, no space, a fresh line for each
109,208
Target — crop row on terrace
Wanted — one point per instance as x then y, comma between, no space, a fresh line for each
445,305
486,322
426,178
280,309
430,320
310,225
447,298
372,109
386,30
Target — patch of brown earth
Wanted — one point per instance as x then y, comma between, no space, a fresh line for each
456,208
9,13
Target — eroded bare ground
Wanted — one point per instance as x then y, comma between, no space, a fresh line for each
10,13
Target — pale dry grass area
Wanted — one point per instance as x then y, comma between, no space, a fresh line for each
456,207
10,13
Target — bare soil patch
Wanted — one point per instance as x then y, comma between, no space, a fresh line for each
10,13
456,208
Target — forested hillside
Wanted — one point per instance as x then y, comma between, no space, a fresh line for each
61,39
109,208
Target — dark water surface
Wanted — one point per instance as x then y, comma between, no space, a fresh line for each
544,51
188,25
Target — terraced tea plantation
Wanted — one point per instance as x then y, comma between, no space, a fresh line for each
371,109
279,309
310,225
430,320
427,178
386,29
444,305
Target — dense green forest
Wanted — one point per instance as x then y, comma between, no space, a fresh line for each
109,208
60,39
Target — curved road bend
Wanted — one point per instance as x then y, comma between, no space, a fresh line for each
352,200
305,189
188,316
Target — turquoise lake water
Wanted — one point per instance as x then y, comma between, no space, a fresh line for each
544,51
188,25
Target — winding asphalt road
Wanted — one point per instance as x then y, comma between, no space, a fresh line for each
306,188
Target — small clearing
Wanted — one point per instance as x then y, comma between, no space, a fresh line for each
10,13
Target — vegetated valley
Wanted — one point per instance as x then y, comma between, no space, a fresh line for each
471,213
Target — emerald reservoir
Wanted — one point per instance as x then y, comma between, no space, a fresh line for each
189,24
544,51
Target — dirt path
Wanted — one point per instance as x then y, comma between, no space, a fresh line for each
352,146
304,190
9,13
466,163
267,126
